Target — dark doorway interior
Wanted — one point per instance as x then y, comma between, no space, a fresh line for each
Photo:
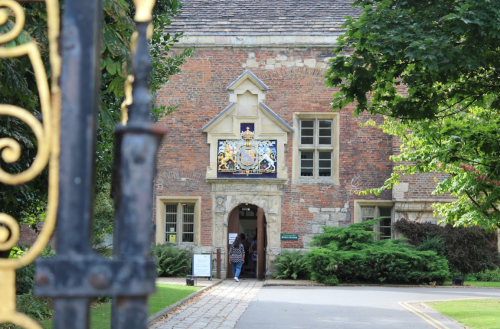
244,220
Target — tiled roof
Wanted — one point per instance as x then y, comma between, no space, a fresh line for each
202,17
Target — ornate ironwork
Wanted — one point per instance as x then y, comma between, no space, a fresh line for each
66,141
47,135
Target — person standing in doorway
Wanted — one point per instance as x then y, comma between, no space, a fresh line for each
236,257
253,251
246,246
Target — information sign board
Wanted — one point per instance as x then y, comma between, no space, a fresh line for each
202,265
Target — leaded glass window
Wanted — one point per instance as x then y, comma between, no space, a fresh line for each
188,223
316,148
179,222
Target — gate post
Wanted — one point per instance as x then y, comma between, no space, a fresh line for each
80,76
77,274
135,168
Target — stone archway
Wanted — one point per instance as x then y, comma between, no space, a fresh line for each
228,194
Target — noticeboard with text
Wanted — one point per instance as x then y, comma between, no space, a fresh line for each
202,265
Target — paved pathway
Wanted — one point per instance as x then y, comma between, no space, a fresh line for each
244,305
352,307
219,307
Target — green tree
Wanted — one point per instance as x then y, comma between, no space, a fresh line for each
415,58
432,69
465,147
115,65
18,87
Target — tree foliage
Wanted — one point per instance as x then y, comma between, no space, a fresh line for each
18,87
443,52
432,69
463,147
467,249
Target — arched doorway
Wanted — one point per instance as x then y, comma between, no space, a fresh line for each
251,221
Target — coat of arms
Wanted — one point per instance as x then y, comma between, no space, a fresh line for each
246,156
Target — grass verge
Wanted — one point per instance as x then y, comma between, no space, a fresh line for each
166,295
477,284
473,313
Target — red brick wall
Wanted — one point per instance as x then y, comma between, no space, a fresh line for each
200,92
28,236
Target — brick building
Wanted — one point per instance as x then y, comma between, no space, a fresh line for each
254,144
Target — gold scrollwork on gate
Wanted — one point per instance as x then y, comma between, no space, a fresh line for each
47,135
143,14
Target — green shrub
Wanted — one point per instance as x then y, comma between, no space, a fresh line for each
489,275
291,265
350,254
353,237
100,247
170,261
486,275
323,264
37,308
25,282
434,244
468,249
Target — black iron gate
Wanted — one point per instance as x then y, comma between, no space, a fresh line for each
77,274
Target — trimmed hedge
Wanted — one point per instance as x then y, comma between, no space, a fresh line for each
387,261
350,254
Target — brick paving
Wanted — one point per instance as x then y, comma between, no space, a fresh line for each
219,307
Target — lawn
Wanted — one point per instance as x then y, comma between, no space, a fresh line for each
473,313
483,284
166,295
477,284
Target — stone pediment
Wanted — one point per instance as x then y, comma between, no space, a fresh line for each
247,75
246,111
232,109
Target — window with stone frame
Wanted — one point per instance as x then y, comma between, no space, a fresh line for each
179,222
384,227
316,148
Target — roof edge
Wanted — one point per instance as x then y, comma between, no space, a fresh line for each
247,39
204,129
245,75
276,117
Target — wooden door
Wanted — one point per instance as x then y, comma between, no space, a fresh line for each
233,227
261,244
